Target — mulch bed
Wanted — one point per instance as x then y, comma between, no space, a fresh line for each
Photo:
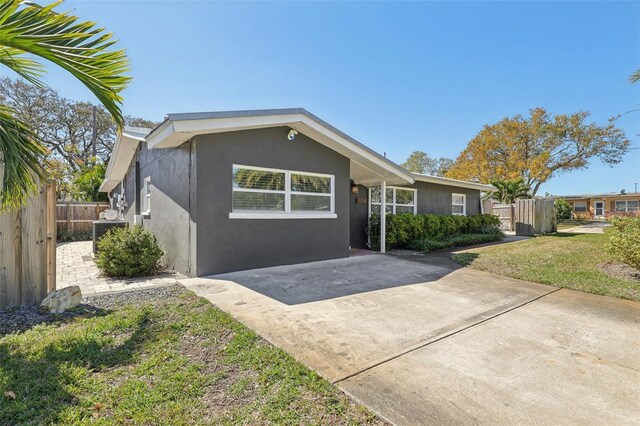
23,318
621,270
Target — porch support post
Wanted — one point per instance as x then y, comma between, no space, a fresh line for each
383,216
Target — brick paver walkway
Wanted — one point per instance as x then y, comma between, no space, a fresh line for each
75,266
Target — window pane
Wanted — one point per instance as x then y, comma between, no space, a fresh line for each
457,209
388,208
375,209
258,201
389,196
306,183
404,210
404,196
310,203
632,206
457,199
620,206
257,179
375,195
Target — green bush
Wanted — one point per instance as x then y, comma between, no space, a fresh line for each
624,241
563,209
454,241
404,230
64,236
129,252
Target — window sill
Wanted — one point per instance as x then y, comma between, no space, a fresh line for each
146,214
250,215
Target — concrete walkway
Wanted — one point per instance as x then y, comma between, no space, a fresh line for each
75,266
589,228
422,341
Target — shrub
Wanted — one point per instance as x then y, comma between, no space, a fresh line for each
129,252
405,229
455,240
582,215
64,236
624,241
563,209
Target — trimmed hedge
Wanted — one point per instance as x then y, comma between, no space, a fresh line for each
406,229
456,240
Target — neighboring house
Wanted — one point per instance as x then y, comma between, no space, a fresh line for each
598,206
226,191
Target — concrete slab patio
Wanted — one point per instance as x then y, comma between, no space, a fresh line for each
421,340
75,266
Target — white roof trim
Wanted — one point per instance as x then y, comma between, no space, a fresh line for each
123,152
453,182
179,128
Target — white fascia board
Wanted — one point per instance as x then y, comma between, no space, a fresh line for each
123,152
108,186
453,182
175,133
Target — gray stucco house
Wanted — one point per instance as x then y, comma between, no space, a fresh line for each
227,191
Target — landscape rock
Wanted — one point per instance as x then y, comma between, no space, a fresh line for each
59,301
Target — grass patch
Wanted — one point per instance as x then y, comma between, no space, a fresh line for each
572,223
177,361
565,260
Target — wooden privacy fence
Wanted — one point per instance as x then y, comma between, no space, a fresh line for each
536,216
28,250
532,216
76,217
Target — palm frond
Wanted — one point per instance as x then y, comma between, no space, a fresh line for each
23,159
635,77
78,47
27,68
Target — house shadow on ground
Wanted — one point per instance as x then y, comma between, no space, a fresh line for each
330,279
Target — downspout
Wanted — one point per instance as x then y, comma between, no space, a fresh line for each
383,216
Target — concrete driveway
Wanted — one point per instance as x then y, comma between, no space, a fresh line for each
589,228
420,340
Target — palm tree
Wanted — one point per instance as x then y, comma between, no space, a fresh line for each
635,77
508,191
30,33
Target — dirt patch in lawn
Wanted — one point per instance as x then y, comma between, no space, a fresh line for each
621,270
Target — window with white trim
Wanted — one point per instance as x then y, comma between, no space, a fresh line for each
580,206
264,193
627,206
459,204
146,199
398,200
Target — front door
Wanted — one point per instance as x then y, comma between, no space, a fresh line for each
599,209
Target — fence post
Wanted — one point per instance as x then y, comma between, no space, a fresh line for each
51,235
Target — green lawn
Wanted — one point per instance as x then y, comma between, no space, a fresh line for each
562,260
572,223
177,361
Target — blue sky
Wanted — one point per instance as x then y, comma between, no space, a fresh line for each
398,77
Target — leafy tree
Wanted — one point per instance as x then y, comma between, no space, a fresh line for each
563,209
29,33
64,127
508,191
537,148
420,162
87,181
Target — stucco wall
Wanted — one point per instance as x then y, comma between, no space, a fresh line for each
436,199
172,175
225,244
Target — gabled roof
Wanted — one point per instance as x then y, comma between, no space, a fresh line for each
453,182
367,165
